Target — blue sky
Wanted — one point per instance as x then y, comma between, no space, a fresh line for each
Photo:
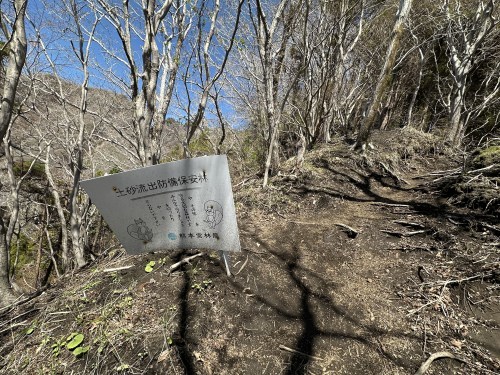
58,31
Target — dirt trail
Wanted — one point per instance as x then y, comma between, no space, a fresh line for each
330,293
308,296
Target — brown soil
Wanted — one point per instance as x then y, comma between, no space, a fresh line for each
308,296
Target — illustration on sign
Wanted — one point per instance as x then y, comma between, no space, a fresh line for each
139,230
183,204
214,213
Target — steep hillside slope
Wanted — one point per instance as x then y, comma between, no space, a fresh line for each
350,265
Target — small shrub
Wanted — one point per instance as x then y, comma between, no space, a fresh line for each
25,250
485,157
22,167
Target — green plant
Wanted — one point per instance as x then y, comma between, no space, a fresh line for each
167,324
102,343
253,150
487,156
22,167
74,342
57,346
23,250
126,302
149,266
122,367
90,285
44,342
205,284
80,350
200,145
28,331
115,169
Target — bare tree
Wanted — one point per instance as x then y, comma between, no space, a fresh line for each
70,126
330,32
15,34
464,38
206,72
385,77
272,36
148,117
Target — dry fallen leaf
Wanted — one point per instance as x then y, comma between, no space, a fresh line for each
456,343
163,355
197,355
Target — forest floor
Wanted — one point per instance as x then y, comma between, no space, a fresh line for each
347,267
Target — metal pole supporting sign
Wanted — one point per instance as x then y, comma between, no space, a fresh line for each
225,258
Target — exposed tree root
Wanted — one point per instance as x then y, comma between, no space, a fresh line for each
425,366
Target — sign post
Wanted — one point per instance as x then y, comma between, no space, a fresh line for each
184,204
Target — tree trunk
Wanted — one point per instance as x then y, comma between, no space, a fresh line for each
409,115
14,192
39,260
6,295
17,56
60,213
385,78
271,154
456,130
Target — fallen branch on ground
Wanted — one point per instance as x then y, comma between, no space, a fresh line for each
351,232
393,174
286,348
491,227
406,234
410,248
459,281
242,183
243,266
494,244
19,316
187,260
447,172
390,204
20,301
454,221
480,170
409,224
117,269
425,366
444,285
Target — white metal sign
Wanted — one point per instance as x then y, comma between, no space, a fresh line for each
183,204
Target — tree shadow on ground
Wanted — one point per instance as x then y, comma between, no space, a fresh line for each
182,340
305,342
365,183
309,301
